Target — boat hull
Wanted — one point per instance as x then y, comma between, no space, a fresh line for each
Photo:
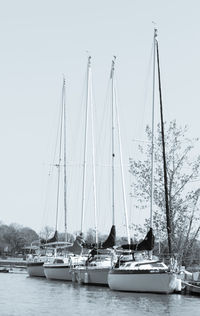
132,281
91,275
58,272
193,289
35,269
4,270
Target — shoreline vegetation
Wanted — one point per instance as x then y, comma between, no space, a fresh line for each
15,244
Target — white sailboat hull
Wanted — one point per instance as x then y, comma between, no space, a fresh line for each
35,269
142,282
58,272
91,275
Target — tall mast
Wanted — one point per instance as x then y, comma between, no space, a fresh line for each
85,143
93,167
152,129
65,157
164,157
113,146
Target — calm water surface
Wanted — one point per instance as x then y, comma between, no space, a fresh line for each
21,295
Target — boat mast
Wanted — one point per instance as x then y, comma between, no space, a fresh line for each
65,157
85,143
113,147
164,155
58,165
152,130
93,167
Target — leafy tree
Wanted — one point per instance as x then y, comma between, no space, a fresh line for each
14,237
70,237
91,235
182,171
28,234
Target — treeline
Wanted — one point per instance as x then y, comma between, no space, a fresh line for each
13,238
16,239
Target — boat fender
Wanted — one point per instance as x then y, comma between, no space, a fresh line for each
70,262
178,285
86,277
73,276
79,277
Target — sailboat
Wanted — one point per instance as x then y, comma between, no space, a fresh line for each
46,249
66,254
99,262
60,267
102,256
40,251
141,274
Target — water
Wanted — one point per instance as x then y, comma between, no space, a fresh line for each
21,295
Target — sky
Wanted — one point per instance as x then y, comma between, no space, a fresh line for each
41,41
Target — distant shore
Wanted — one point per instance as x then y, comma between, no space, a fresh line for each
13,262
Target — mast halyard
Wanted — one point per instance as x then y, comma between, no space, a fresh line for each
164,155
152,131
113,146
58,165
122,176
85,143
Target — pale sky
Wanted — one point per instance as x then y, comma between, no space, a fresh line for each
40,41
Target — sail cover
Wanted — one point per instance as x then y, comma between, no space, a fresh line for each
53,239
110,241
146,244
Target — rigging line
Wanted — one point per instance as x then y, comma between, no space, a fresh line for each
152,130
121,165
45,203
195,180
105,111
90,165
79,121
50,148
58,165
99,130
164,157
65,157
104,116
125,126
141,128
85,144
57,140
52,165
122,171
141,141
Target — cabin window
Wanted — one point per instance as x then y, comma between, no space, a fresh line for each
58,261
157,265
